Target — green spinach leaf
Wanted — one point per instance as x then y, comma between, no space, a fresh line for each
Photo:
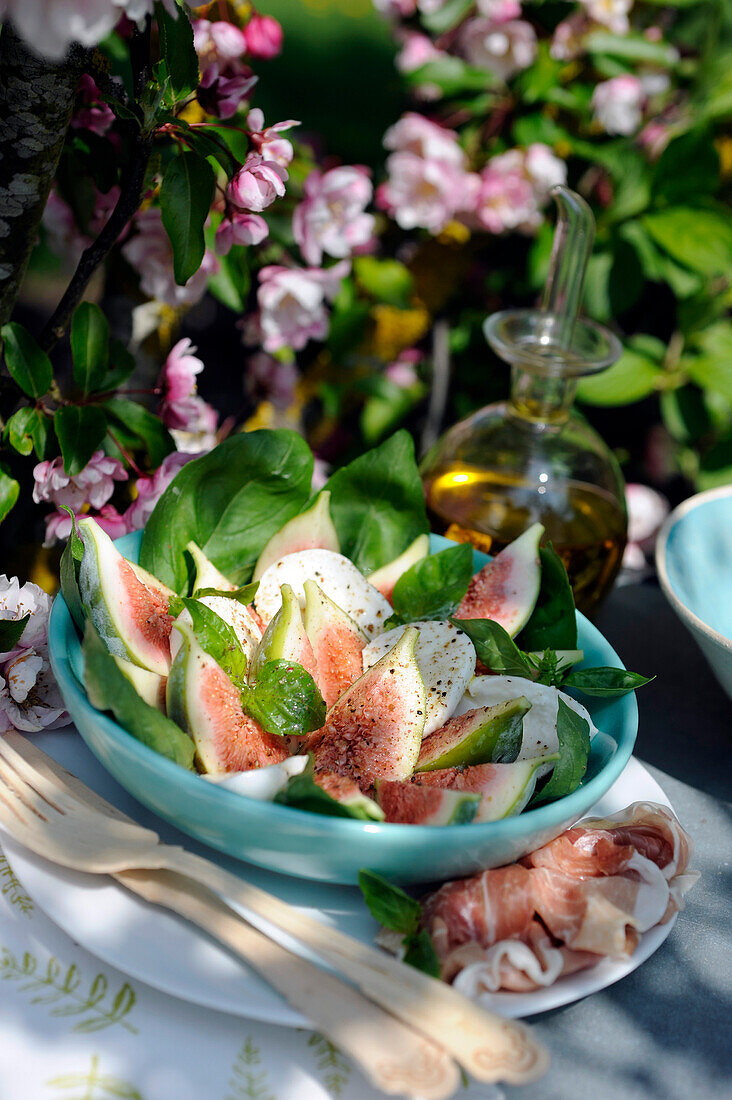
230,502
284,700
606,683
109,689
573,732
433,587
243,595
377,503
553,622
495,648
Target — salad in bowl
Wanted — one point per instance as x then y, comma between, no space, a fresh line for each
322,656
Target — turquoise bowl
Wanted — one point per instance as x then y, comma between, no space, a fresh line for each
694,563
333,849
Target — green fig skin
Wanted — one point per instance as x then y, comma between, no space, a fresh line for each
207,575
503,789
386,577
507,588
472,738
285,639
311,530
405,803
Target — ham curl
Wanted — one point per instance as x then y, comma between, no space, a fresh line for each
589,893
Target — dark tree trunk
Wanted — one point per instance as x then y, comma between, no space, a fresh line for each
36,100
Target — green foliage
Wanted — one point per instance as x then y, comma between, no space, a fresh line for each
11,631
230,502
80,430
89,347
149,433
9,489
215,636
29,366
495,648
605,683
573,733
69,573
553,622
185,200
177,52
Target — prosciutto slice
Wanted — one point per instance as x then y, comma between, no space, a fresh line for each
588,894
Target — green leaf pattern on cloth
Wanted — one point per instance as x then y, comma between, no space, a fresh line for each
331,1064
93,1085
248,1080
11,888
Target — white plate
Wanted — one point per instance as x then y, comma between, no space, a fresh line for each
165,952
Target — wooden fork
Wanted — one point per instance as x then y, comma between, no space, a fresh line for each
53,821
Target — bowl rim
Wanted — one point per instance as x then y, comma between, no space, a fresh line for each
681,609
62,631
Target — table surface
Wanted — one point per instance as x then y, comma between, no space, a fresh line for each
663,1032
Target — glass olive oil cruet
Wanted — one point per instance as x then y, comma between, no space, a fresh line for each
533,457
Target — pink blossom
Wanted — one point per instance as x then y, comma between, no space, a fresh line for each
218,42
17,600
654,137
178,376
240,229
424,192
93,486
501,48
222,91
93,114
292,303
150,254
266,140
331,217
415,134
544,170
195,431
398,8
500,11
617,104
505,200
402,372
417,49
30,700
58,524
569,37
269,379
50,26
647,510
263,36
321,473
150,489
612,14
257,184
64,236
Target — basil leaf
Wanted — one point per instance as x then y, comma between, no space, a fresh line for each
89,347
80,430
377,503
69,572
185,200
495,648
303,793
285,700
151,434
508,743
230,502
216,637
11,631
606,683
553,622
420,953
243,595
29,367
389,905
109,689
573,732
433,587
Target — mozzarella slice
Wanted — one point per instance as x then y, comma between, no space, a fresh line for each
337,577
446,660
540,724
261,783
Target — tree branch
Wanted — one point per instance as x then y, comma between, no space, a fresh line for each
36,101
128,204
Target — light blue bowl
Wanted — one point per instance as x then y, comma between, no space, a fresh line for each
333,849
694,563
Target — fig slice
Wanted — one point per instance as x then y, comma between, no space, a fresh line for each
476,737
285,639
202,700
375,729
504,789
150,686
311,530
507,588
410,804
130,617
446,659
336,576
207,575
337,643
386,577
